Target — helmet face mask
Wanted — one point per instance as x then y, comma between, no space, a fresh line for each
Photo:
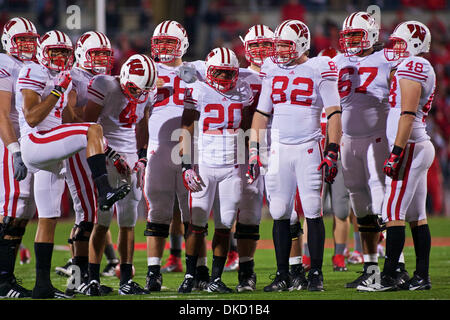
395,49
134,93
258,50
354,42
166,48
99,61
222,78
24,46
59,58
285,52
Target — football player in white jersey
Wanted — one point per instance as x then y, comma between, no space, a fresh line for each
163,180
364,77
119,104
218,104
296,89
93,55
258,43
411,98
45,142
16,194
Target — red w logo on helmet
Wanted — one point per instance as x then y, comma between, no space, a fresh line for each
136,67
417,31
300,30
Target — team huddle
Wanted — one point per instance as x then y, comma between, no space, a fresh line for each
212,138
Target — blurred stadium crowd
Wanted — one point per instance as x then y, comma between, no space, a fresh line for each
213,23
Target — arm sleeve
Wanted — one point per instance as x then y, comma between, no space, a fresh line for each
33,78
414,69
265,103
96,88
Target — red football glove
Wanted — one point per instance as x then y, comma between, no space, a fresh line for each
62,81
329,162
391,164
118,161
139,168
190,178
254,164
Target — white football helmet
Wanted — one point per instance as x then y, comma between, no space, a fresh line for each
138,77
55,40
409,38
169,41
359,32
295,34
222,69
258,44
20,27
93,52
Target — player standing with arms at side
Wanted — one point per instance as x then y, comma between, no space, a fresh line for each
364,77
120,104
16,190
218,104
41,98
258,45
296,88
163,180
412,153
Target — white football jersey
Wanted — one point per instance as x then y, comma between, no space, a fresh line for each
80,81
296,97
364,91
9,71
165,116
420,70
253,78
119,115
220,119
41,80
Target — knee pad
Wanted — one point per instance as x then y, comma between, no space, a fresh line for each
7,228
81,229
296,230
370,223
245,231
197,229
156,230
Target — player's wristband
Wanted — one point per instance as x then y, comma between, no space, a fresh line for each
332,147
56,93
333,113
397,150
408,112
13,147
142,153
185,166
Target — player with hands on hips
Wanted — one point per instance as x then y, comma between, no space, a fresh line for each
412,153
19,41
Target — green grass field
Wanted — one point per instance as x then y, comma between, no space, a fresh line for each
264,266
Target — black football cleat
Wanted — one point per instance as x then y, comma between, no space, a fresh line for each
187,285
315,280
280,283
106,202
153,282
